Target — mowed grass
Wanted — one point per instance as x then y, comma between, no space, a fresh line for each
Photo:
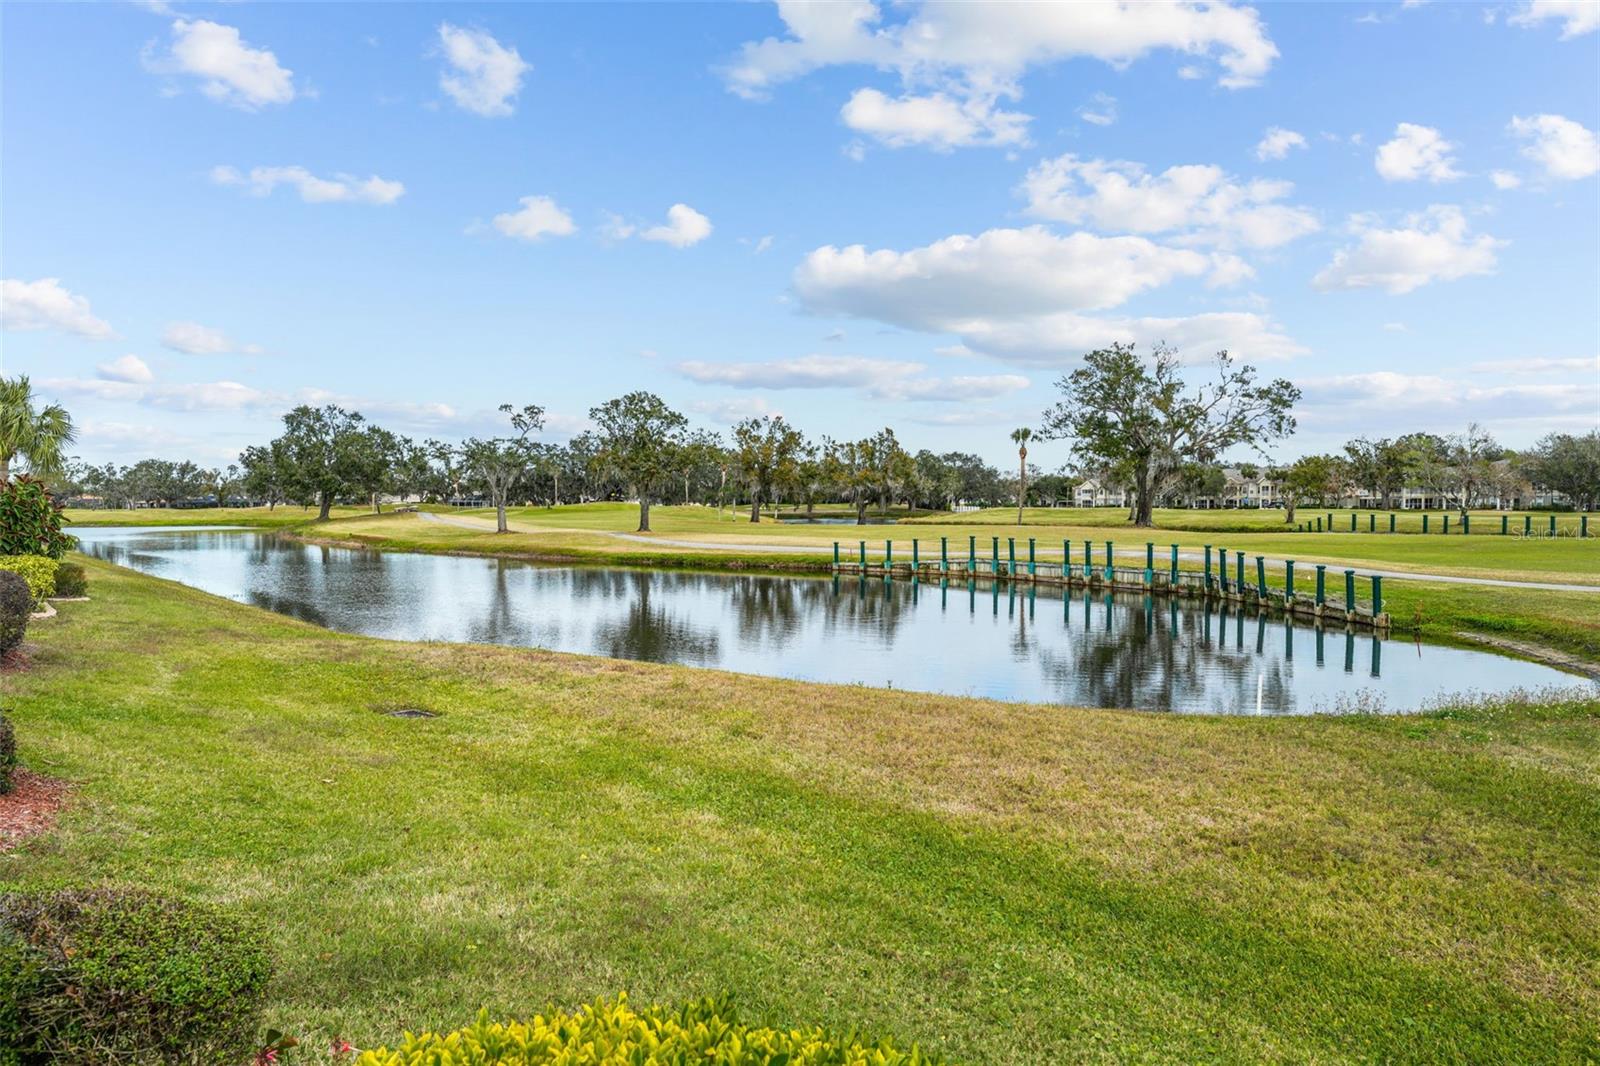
1270,519
282,516
1005,883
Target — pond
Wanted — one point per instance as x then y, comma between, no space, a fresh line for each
1001,641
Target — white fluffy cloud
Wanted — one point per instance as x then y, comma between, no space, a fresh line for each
341,188
45,304
1202,202
934,120
1434,400
484,76
191,338
1564,149
191,396
684,226
129,368
1577,17
1433,245
974,55
230,70
1021,294
882,379
538,217
1101,110
1416,152
1276,143
1504,179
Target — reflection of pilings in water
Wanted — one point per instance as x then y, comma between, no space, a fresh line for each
1349,652
1377,654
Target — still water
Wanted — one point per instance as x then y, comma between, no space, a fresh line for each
1007,642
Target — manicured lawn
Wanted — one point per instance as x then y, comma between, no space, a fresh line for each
284,515
1006,883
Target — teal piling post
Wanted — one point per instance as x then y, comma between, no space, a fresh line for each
1391,521
1208,568
1372,523
1349,591
1424,523
944,554
888,554
1149,555
1466,524
1352,522
994,554
836,555
1033,567
1222,569
1527,525
1240,573
1447,525
1319,523
1377,595
1066,560
916,560
1322,587
1011,555
1552,525
1261,578
1174,566
863,557
1110,562
972,555
1583,525
1088,558
1288,581
1330,521
1505,522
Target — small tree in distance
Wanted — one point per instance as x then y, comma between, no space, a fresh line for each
639,439
501,463
1020,437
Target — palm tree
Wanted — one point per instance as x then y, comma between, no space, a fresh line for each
1021,437
37,436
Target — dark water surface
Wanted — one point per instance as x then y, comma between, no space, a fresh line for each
1007,642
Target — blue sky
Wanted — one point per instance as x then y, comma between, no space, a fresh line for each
913,215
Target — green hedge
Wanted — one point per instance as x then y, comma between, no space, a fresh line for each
39,571
71,581
16,605
611,1032
123,976
30,519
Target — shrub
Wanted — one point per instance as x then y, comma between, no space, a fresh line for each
16,604
8,755
39,571
613,1032
129,976
30,520
71,581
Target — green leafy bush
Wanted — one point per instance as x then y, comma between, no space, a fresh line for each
129,976
8,756
30,520
16,604
611,1032
39,571
71,581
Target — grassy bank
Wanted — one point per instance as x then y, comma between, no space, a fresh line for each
1007,883
283,516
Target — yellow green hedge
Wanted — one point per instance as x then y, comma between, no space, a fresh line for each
612,1033
39,571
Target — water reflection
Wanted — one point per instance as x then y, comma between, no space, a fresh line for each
1001,640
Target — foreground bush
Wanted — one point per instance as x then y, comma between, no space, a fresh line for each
123,976
71,581
39,571
606,1033
16,604
8,761
30,519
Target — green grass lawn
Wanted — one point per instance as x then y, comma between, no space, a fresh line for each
282,516
1005,883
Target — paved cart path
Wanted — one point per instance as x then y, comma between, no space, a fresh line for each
482,524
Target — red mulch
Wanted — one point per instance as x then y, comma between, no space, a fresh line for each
30,807
16,660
